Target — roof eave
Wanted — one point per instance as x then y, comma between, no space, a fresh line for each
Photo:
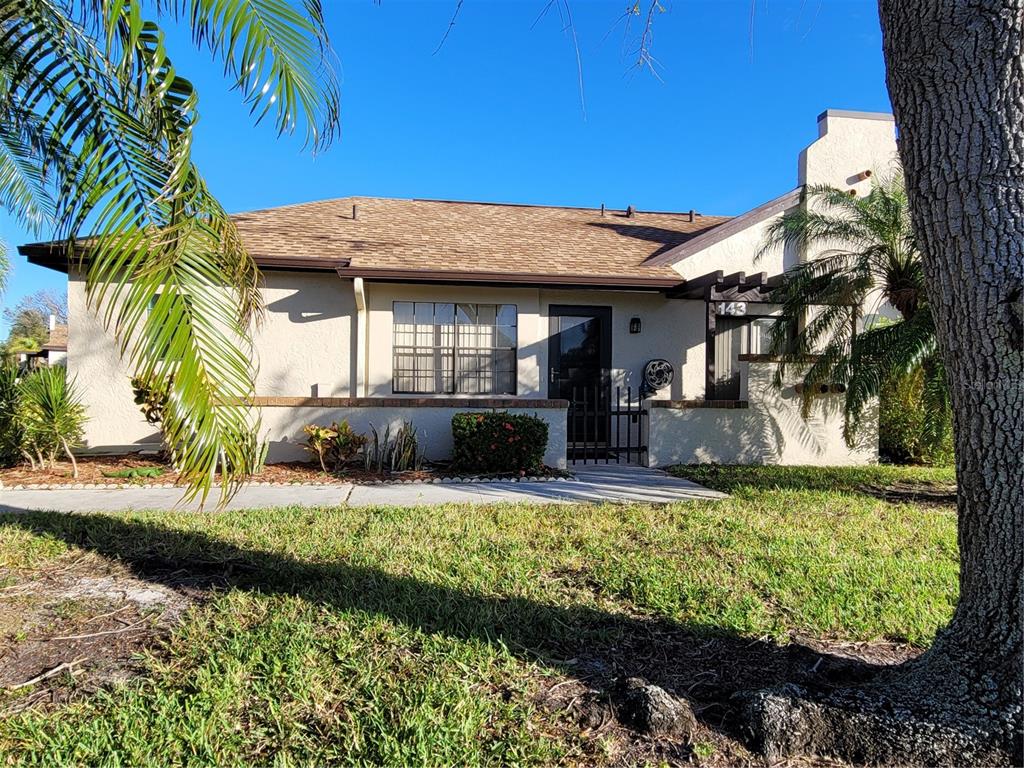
524,279
53,255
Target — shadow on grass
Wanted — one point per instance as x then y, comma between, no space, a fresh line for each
926,485
592,646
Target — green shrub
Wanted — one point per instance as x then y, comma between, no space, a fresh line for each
497,441
337,444
345,445
10,429
397,453
907,433
50,415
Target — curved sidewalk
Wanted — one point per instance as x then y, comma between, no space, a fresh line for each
594,484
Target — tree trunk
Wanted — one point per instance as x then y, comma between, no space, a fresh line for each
956,80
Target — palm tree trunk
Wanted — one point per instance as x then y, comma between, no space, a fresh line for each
956,78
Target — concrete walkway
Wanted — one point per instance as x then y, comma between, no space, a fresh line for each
592,484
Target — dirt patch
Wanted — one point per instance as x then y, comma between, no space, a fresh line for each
929,494
705,673
70,628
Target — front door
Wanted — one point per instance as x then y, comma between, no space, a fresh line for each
579,361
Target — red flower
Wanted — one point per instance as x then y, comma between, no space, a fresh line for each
508,426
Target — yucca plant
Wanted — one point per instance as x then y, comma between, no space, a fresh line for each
96,132
868,256
397,453
50,416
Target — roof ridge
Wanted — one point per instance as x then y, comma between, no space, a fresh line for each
444,201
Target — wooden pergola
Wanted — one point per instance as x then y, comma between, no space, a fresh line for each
717,287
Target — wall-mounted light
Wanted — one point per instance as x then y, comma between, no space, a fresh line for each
634,325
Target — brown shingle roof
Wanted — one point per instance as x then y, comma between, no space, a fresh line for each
442,236
58,340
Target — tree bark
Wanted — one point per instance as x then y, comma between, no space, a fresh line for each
956,79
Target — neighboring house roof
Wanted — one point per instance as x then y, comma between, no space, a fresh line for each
463,241
436,236
58,341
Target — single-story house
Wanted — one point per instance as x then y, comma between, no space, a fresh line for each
637,335
53,352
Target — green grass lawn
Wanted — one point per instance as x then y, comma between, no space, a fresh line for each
423,636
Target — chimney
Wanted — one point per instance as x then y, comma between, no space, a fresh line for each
354,211
53,322
630,210
848,147
602,209
691,215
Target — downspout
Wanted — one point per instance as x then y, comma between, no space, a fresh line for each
361,341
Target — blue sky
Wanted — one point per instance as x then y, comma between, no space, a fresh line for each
496,114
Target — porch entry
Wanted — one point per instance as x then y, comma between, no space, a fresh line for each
602,425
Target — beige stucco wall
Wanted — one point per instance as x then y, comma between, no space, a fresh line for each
671,329
282,428
102,379
302,349
770,430
847,144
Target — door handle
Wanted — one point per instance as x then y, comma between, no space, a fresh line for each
553,377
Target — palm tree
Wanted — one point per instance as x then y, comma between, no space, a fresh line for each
868,257
96,130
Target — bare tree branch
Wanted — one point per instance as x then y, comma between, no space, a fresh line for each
448,31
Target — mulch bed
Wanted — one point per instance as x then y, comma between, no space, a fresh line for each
97,471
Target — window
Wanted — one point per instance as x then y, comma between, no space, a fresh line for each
465,349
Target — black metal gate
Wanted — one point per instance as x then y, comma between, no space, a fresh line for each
606,429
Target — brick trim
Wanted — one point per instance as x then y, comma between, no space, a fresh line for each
683,404
407,402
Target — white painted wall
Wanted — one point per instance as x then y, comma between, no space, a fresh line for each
770,431
282,428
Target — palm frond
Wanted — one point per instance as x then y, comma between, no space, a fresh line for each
153,229
278,56
865,247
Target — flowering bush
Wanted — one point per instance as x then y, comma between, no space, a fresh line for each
497,441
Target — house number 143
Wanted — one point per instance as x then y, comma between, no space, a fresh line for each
734,308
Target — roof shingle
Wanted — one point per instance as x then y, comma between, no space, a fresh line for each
438,236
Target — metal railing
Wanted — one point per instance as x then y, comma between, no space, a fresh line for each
603,429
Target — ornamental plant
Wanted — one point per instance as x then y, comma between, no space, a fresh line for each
318,439
498,441
51,417
337,444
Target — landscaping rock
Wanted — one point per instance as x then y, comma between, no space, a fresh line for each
653,710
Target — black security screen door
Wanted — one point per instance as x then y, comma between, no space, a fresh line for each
579,361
